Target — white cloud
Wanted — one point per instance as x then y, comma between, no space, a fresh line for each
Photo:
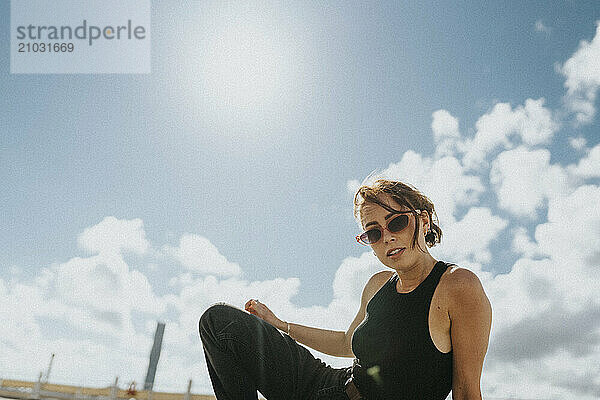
524,292
444,125
556,377
104,284
523,180
538,125
503,127
198,254
18,305
578,143
546,312
445,134
522,243
83,310
470,238
582,72
572,233
589,166
113,235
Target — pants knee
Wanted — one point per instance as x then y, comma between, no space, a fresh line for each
216,316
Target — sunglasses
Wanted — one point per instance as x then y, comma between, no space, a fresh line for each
395,225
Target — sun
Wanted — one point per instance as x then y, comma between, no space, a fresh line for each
241,70
249,65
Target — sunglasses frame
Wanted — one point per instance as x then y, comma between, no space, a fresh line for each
382,228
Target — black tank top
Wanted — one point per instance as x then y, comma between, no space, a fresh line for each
396,358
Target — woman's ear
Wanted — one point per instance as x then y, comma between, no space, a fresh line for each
426,221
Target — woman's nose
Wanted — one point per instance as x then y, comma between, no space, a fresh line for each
388,236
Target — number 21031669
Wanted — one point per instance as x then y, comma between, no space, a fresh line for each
45,47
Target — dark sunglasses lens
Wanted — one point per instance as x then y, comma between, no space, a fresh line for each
371,236
398,223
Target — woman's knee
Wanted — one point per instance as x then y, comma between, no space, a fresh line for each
217,316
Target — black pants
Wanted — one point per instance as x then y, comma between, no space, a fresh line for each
245,354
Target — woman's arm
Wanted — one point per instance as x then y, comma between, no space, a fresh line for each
323,340
470,318
334,343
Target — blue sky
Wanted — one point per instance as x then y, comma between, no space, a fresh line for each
242,145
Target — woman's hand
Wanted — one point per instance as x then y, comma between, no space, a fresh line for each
263,312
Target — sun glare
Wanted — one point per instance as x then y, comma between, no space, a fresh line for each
248,66
242,69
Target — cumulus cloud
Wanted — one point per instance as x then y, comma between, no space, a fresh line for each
198,254
470,238
582,73
526,292
524,179
572,232
559,376
578,143
104,283
84,310
113,235
444,125
588,166
503,127
445,134
522,243
18,305
547,310
539,336
88,348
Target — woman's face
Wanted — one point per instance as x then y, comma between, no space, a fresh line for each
394,249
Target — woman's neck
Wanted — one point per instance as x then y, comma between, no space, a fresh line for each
410,278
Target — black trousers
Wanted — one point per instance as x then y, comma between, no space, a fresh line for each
245,354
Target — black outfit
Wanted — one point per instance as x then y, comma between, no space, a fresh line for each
398,360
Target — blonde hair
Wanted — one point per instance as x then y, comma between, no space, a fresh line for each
405,195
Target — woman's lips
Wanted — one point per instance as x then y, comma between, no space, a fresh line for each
395,253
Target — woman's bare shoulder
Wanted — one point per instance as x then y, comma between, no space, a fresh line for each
456,277
462,286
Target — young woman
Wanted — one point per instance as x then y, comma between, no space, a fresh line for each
422,328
